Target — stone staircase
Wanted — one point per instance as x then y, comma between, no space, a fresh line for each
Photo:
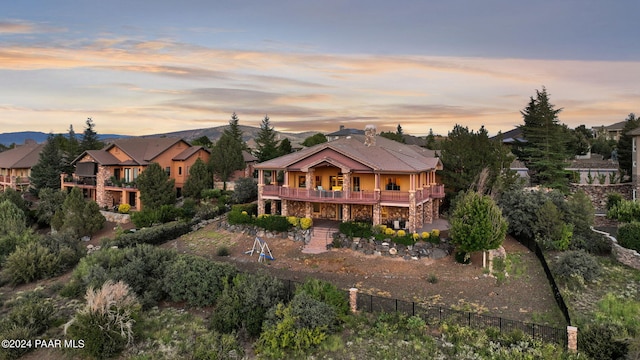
322,235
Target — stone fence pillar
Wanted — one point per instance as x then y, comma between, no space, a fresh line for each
572,339
353,300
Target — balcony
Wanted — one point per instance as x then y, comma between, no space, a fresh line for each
14,181
352,197
80,181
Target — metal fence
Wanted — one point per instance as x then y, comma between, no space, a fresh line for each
437,315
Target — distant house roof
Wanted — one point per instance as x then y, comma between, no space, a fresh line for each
141,150
511,136
346,132
248,157
634,132
21,157
385,156
188,152
617,126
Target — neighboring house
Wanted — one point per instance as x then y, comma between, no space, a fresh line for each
358,177
611,132
635,157
108,176
16,164
511,137
343,133
594,171
249,171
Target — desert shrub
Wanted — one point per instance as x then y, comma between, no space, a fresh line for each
403,238
629,235
33,311
244,303
306,223
9,242
208,211
245,190
239,217
144,218
124,208
196,280
273,223
551,232
312,313
578,263
67,247
625,211
613,199
281,338
250,209
222,251
152,235
188,209
106,322
15,332
327,293
218,346
603,342
356,229
30,262
167,213
210,193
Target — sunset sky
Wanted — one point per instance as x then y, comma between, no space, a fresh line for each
145,67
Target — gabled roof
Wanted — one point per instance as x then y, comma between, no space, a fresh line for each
21,157
100,156
188,152
511,136
346,132
385,156
617,126
634,132
248,157
143,150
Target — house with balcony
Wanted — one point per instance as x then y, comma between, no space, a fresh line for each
16,164
357,177
109,175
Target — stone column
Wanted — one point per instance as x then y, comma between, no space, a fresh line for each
428,211
345,212
346,185
285,204
377,214
353,300
310,180
260,194
412,211
274,207
572,338
308,210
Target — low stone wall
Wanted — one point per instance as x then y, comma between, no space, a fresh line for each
598,193
388,248
294,234
116,217
625,256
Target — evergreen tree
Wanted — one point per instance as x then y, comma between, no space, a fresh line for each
78,216
156,189
399,130
477,223
202,141
199,179
266,141
90,139
284,147
12,219
234,131
226,155
545,151
46,173
625,151
465,153
50,201
316,139
431,140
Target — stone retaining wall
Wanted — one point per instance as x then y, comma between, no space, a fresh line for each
116,217
598,193
625,256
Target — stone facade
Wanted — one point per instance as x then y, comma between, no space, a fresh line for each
361,212
598,193
296,208
394,213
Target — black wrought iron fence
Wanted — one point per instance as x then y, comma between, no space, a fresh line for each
438,315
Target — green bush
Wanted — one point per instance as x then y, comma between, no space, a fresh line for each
144,218
251,209
245,190
629,236
625,211
106,323
273,223
356,229
152,235
222,251
196,280
603,342
33,312
30,262
613,199
578,263
208,211
210,193
237,217
311,313
327,293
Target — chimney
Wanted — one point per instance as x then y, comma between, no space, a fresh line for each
370,135
341,127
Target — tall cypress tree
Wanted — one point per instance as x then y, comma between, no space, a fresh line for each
90,137
156,189
46,173
625,151
199,179
266,141
545,151
226,155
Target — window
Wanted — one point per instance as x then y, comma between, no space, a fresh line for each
302,181
127,174
356,183
316,207
335,182
168,170
318,180
392,183
179,170
633,141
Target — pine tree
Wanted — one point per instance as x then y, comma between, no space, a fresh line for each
156,189
199,179
46,173
545,151
226,155
78,216
625,151
234,130
285,147
266,141
90,137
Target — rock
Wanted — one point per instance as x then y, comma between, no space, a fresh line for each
438,254
393,251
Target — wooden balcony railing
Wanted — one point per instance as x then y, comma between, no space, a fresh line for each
365,196
14,180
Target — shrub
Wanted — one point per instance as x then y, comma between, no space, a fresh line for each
124,208
211,193
356,229
327,293
293,220
603,342
613,199
196,280
578,263
30,262
425,235
273,223
106,322
144,218
239,217
251,209
306,223
625,211
245,190
629,235
33,312
222,251
152,235
462,257
208,211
